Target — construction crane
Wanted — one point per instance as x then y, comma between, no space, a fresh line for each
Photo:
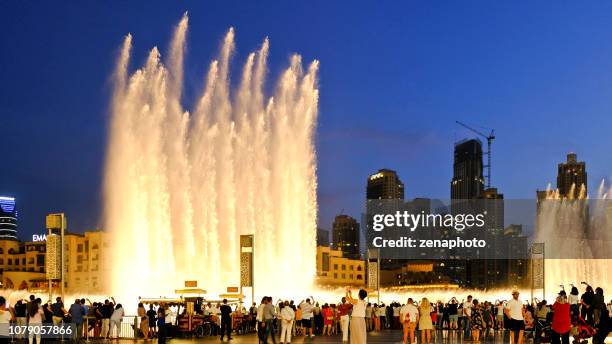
489,138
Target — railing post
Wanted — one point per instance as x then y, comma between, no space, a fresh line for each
136,327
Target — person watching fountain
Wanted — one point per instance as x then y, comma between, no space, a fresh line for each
599,305
77,312
35,318
467,316
21,316
287,315
226,320
357,322
409,314
59,312
425,323
343,311
307,314
516,313
561,320
269,314
586,300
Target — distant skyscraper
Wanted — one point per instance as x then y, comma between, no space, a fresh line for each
494,207
385,184
322,237
384,194
572,177
8,218
345,236
468,180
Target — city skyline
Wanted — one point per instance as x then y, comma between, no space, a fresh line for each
408,126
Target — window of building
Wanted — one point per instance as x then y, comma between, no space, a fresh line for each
40,260
335,275
79,259
80,248
16,261
325,262
1,261
351,276
359,277
343,276
10,261
351,267
343,267
335,266
359,268
23,261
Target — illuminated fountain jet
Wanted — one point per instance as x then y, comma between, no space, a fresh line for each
181,186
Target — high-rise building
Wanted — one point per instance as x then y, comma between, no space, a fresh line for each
494,208
8,218
385,184
468,179
572,178
345,236
322,237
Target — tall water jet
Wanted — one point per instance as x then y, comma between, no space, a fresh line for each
577,234
181,187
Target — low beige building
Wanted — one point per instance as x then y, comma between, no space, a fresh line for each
22,264
335,270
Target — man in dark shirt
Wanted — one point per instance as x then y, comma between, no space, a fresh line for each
58,311
587,303
226,320
105,311
20,315
151,314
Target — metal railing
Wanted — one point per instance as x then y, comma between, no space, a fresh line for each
128,328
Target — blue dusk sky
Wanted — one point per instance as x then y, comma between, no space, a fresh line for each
394,77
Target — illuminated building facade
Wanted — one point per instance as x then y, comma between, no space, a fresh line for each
8,218
22,264
385,184
333,269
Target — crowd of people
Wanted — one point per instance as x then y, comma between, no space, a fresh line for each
101,318
570,315
473,319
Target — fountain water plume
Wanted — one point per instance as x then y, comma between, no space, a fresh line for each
576,233
181,187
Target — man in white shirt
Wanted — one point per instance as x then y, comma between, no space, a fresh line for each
307,313
515,312
259,318
467,313
409,316
6,316
287,316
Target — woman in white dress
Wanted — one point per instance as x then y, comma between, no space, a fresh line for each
425,324
357,324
